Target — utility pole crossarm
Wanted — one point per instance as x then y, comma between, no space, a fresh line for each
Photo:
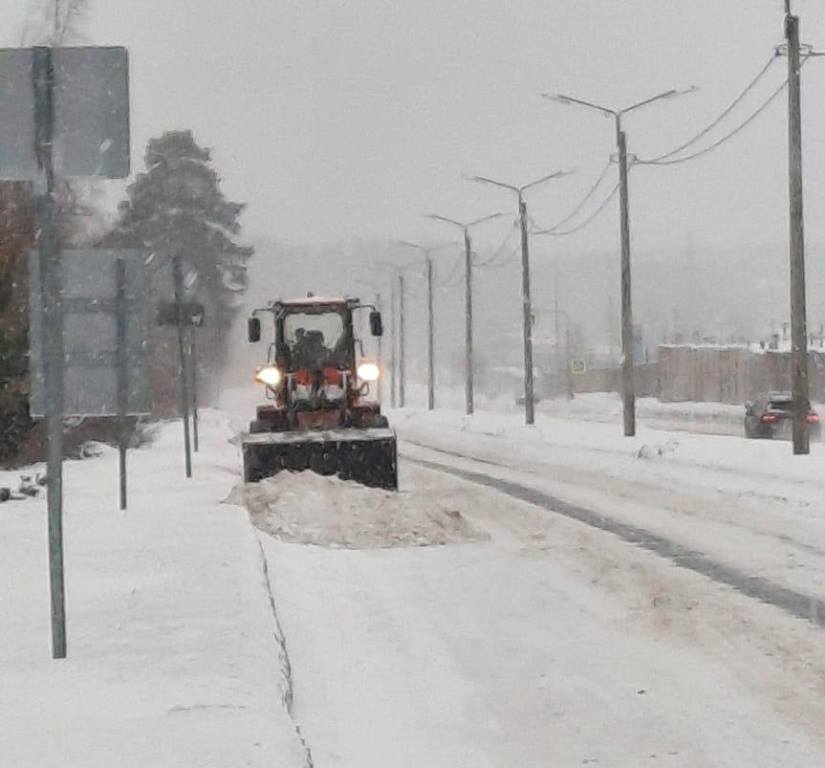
638,105
562,99
556,175
437,217
485,180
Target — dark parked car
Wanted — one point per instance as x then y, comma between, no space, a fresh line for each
770,416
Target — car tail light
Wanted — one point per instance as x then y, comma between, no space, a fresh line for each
813,418
769,418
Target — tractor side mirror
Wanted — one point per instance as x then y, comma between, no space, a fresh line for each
376,325
253,329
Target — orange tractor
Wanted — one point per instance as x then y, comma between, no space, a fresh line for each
323,414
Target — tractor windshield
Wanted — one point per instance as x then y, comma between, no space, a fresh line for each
315,339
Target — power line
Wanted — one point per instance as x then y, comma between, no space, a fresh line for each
738,100
500,248
502,262
451,277
744,124
582,202
725,138
588,220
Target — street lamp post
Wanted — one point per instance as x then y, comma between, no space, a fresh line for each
469,405
428,260
628,389
557,313
529,403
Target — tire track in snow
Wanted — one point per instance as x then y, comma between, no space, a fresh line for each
797,604
288,690
677,510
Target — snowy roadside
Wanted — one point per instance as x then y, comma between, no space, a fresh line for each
746,504
173,655
603,407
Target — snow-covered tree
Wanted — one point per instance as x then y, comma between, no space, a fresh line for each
176,208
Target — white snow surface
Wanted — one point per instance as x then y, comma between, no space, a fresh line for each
173,659
525,639
310,509
549,645
556,644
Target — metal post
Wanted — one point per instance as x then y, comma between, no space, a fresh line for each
53,353
184,389
628,390
799,333
556,331
469,397
529,404
193,363
393,348
401,342
570,394
380,345
122,376
430,337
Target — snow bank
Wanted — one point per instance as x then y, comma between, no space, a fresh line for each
307,508
174,657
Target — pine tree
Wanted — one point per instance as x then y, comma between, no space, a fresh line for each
176,208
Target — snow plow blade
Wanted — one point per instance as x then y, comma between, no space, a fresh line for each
368,456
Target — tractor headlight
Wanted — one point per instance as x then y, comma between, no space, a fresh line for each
269,375
368,372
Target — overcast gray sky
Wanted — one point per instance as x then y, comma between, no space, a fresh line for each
334,119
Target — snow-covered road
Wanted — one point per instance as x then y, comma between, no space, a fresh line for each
591,600
549,644
557,643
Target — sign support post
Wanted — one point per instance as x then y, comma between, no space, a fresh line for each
122,376
52,327
193,362
177,270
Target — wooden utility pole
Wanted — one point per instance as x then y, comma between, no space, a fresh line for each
799,332
527,311
628,388
469,396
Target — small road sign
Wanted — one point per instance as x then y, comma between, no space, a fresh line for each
90,315
191,313
90,88
578,366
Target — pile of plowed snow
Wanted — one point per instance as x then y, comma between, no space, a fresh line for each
307,508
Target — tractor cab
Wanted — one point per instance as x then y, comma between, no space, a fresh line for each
315,348
320,382
312,364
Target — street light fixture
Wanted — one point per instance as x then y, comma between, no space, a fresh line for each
469,405
428,251
529,404
628,390
398,369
